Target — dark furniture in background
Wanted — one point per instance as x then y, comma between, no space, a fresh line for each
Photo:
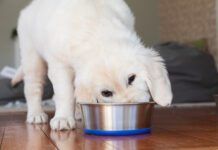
9,93
192,72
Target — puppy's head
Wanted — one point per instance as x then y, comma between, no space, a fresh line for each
130,77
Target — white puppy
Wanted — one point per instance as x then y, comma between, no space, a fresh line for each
91,52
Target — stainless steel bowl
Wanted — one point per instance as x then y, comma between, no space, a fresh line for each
114,118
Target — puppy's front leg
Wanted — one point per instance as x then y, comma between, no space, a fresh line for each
62,77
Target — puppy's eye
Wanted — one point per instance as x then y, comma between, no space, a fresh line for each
107,93
131,79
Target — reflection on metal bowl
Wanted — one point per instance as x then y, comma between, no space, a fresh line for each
117,118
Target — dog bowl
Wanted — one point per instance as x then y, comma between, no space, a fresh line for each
115,119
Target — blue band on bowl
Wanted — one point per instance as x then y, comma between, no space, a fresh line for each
119,132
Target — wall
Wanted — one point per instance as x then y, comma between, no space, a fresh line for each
188,20
9,11
147,19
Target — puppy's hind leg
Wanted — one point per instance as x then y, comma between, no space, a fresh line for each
34,70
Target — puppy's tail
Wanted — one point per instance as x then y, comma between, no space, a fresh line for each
18,77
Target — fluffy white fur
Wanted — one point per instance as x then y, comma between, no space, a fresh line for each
85,47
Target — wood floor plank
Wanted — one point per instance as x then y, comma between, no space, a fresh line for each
75,139
175,140
205,135
12,119
26,137
173,128
138,142
189,127
2,130
196,148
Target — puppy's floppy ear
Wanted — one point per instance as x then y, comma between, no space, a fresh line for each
157,80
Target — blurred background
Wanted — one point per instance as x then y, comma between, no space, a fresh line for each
184,32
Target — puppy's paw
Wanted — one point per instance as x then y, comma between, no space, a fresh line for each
37,118
62,123
165,103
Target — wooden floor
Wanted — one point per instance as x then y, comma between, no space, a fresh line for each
173,129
